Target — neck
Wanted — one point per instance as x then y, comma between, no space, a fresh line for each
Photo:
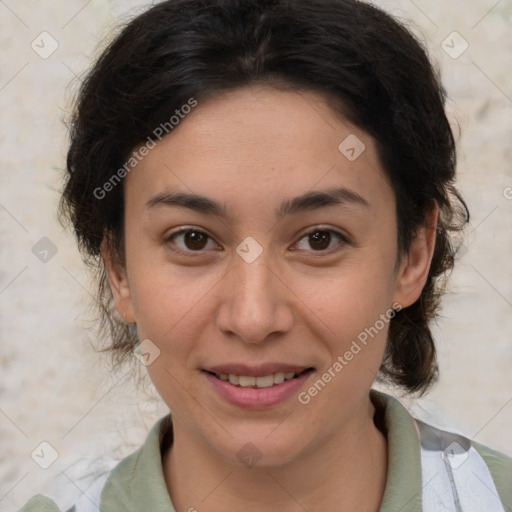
347,472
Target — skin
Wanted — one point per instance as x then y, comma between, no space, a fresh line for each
251,149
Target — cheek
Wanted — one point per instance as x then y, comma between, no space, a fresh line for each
352,316
350,298
172,311
170,303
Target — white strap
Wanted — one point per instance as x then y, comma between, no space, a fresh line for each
454,475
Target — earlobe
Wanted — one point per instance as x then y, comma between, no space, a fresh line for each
119,284
414,270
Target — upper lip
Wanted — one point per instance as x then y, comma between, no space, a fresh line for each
259,370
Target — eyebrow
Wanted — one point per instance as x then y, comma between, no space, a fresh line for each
309,201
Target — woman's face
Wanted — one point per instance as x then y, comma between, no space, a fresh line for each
285,262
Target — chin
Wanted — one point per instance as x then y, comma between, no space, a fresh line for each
254,449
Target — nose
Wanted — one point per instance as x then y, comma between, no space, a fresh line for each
255,302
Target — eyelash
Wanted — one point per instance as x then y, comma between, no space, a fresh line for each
317,229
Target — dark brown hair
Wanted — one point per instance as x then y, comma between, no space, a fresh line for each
347,50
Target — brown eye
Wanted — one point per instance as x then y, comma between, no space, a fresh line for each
195,240
321,239
190,240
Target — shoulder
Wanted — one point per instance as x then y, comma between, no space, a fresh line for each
76,489
500,467
103,483
455,467
40,503
443,467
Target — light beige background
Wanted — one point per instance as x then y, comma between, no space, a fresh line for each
54,388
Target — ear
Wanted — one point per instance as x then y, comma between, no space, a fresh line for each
413,272
118,284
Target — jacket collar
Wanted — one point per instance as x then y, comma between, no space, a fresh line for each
137,482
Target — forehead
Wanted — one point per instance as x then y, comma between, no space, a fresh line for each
257,145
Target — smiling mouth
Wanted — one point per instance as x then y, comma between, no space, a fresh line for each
265,381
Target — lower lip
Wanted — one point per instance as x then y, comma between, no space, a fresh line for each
257,398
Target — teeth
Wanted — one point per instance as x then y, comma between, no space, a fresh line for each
265,382
278,377
246,381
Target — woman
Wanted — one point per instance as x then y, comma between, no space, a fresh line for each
267,188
